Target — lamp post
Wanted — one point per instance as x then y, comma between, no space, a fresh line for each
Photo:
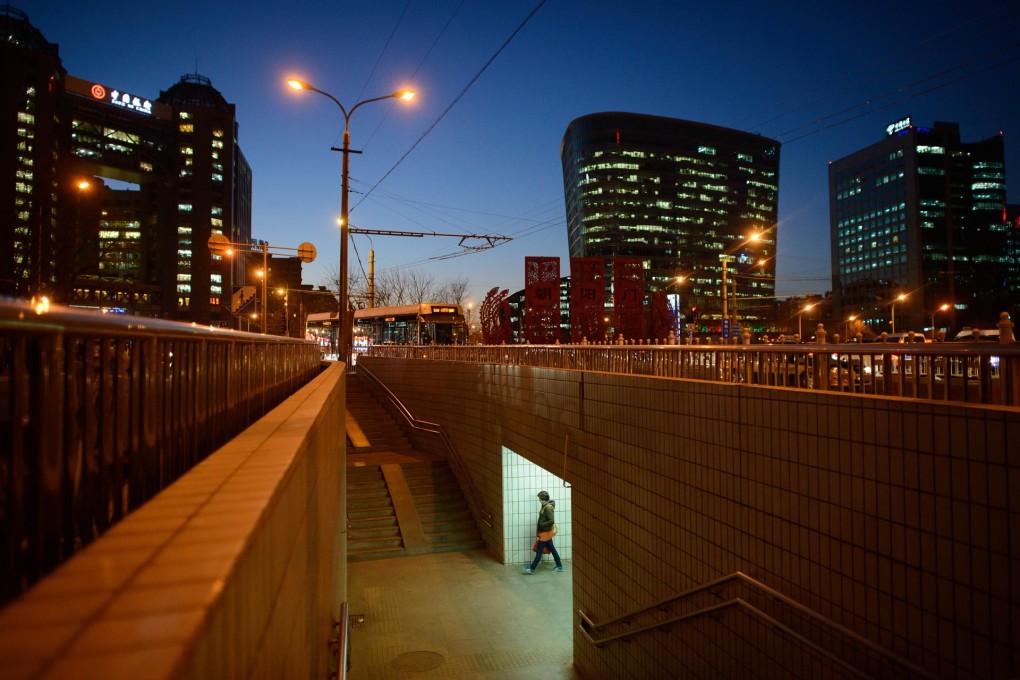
846,327
800,321
285,294
221,246
756,236
406,95
940,309
898,298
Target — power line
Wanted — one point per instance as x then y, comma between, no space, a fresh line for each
455,100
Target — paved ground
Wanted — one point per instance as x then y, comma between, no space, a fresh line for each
459,615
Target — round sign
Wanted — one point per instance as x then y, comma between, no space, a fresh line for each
219,244
306,251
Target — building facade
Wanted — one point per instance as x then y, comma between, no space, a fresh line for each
918,221
110,197
685,198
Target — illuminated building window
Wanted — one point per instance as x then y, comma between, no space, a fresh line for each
187,151
187,127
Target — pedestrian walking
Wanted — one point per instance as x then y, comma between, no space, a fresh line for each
546,529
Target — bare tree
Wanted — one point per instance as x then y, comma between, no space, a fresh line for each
421,287
454,290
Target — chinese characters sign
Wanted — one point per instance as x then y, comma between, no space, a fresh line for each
541,300
121,99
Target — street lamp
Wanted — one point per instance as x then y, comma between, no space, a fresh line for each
846,327
222,246
940,309
898,298
285,294
800,320
756,236
406,95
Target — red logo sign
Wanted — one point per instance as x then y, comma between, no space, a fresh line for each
98,91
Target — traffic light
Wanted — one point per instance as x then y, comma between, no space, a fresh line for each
693,316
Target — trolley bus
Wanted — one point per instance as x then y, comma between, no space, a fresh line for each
439,323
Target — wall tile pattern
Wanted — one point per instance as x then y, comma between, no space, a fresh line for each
897,519
522,480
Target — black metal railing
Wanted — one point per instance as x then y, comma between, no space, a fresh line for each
99,412
952,372
843,648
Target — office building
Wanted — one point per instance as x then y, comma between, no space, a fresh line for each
922,215
109,197
681,196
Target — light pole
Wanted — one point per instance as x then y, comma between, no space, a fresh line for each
285,294
800,321
898,298
756,236
221,246
940,309
406,95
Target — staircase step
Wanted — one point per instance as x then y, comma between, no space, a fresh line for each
374,544
373,533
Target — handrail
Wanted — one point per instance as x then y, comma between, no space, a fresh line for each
474,498
942,372
587,624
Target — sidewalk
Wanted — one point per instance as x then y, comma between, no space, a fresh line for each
459,615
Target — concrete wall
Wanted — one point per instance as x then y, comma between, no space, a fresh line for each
237,570
897,519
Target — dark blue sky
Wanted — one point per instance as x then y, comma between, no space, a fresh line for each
822,78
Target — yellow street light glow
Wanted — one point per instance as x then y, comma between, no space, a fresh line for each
84,184
297,84
406,95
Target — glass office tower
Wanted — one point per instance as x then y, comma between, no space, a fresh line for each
923,215
681,196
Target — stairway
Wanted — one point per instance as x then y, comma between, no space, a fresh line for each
379,427
373,530
446,517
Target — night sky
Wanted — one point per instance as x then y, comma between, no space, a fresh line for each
822,78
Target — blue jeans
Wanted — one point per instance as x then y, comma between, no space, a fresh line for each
540,548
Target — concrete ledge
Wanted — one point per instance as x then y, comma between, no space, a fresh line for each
238,569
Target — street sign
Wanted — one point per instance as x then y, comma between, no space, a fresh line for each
726,328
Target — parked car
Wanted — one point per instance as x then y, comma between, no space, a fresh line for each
967,335
907,337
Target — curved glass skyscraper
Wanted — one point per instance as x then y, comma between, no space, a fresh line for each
681,196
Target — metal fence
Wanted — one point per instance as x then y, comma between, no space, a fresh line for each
952,372
99,412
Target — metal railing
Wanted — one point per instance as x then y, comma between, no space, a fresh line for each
843,647
950,372
473,496
99,412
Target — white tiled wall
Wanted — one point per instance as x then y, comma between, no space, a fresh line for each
522,480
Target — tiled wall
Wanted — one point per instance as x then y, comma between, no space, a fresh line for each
522,480
897,519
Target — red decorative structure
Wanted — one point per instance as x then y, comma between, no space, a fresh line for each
495,318
663,316
587,299
629,297
541,300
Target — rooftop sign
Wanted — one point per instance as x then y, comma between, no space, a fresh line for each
898,126
122,99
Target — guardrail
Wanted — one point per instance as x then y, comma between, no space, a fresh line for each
99,412
951,372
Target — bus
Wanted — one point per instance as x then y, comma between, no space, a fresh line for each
428,323
440,323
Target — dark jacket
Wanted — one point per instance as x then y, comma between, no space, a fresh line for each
546,516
